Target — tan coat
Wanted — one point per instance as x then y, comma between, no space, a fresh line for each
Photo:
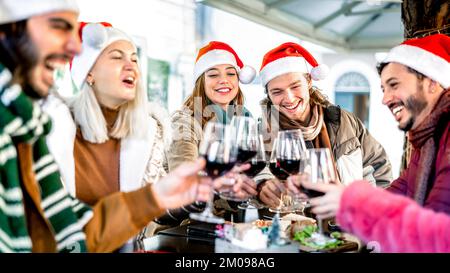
186,136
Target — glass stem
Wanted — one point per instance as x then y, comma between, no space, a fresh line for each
319,223
210,204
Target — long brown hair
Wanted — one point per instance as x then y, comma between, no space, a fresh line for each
199,92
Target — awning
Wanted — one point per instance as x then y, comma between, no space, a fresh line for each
371,25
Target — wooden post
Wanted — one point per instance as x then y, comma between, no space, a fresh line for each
424,17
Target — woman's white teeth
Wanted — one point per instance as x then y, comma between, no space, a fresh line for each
129,80
223,90
397,109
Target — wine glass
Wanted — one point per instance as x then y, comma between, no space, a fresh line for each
221,155
320,170
247,142
257,164
285,160
280,174
246,137
290,152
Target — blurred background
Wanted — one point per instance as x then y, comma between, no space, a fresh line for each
348,36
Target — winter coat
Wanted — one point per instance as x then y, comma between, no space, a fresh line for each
141,160
187,134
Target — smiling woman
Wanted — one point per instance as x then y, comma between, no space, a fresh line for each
217,96
221,84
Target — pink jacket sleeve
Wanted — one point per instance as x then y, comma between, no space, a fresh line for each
396,222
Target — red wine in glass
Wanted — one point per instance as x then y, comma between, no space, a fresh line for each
221,155
291,166
245,155
255,168
276,170
311,193
216,169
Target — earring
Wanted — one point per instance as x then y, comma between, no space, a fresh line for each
90,84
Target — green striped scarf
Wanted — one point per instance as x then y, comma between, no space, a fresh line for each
22,121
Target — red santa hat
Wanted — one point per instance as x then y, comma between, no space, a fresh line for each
216,53
95,38
287,58
429,55
17,10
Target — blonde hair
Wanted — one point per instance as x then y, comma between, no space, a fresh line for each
132,119
199,92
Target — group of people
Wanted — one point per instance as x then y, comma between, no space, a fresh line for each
92,171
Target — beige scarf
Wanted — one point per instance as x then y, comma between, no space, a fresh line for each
310,131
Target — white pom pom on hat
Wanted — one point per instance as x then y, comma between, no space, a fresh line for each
287,58
247,74
94,35
216,53
320,72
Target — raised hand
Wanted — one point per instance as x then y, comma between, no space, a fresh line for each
327,205
183,186
270,193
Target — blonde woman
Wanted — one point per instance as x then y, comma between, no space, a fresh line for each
109,139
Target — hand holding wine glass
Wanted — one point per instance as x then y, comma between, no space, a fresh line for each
287,154
236,183
321,171
221,155
327,205
246,141
257,164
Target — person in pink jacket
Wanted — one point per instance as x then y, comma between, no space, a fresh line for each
395,223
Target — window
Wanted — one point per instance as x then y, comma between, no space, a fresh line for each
158,81
352,92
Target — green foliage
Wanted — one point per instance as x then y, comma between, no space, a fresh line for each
306,237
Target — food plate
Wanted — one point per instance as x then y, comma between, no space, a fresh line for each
347,246
311,241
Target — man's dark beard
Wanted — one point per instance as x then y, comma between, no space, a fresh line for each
19,54
415,105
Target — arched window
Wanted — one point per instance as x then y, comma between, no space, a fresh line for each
352,93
